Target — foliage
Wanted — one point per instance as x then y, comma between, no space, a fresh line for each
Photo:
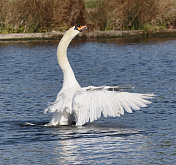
132,14
40,15
21,16
90,4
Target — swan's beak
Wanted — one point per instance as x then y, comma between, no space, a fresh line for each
81,28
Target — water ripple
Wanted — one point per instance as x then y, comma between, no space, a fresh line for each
30,78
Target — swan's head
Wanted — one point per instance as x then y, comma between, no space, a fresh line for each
76,30
79,28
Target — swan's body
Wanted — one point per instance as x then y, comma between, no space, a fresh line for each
81,105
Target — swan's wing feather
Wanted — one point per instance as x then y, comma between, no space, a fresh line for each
90,105
63,101
109,88
59,105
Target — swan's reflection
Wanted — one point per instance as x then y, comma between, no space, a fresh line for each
67,150
94,143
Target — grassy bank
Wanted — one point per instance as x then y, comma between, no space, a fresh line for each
131,14
24,16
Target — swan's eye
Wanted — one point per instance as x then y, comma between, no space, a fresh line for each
77,27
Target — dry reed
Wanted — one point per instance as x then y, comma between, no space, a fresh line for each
132,14
41,15
48,15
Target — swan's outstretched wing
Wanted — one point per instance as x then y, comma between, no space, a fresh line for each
109,88
59,105
63,101
90,105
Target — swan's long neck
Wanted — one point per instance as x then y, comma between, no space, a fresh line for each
69,77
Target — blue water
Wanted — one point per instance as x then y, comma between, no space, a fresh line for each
30,78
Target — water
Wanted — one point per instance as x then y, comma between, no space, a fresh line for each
30,78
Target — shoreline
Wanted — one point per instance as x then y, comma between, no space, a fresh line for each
90,35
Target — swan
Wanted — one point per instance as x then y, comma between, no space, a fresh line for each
78,105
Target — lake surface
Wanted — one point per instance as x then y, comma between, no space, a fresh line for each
30,78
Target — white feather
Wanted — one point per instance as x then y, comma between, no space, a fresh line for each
108,103
86,104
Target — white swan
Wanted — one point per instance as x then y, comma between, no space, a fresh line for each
81,105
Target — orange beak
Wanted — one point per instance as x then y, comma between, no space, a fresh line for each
81,28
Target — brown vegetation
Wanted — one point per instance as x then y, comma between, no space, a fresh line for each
48,15
40,15
132,14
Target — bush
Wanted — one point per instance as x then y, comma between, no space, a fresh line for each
41,15
131,14
166,14
47,15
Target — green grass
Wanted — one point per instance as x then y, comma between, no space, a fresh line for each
148,27
90,4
